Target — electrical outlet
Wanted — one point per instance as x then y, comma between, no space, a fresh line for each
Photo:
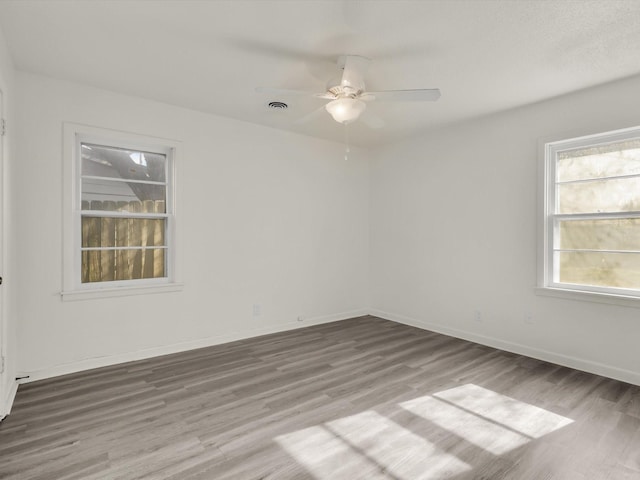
478,316
257,310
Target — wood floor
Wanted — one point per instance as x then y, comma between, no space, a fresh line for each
358,399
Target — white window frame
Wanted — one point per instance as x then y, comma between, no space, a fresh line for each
73,288
547,284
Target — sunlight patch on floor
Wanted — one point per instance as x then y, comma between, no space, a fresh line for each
368,445
489,420
326,456
403,453
526,418
372,446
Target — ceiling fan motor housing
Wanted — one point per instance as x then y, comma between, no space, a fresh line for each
342,91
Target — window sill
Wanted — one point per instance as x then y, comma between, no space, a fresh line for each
75,295
579,295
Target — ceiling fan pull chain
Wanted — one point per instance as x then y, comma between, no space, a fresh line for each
346,141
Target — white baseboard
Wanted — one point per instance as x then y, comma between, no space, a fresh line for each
589,366
5,406
105,361
540,354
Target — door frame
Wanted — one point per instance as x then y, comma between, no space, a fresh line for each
5,401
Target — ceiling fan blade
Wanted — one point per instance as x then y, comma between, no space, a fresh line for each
294,93
284,91
326,96
317,65
420,95
372,121
310,116
355,67
273,50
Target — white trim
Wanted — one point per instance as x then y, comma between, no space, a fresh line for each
123,214
113,249
75,295
597,216
545,355
5,407
586,296
589,366
7,373
597,179
547,283
126,180
105,361
71,254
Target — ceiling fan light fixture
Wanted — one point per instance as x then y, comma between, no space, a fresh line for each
346,110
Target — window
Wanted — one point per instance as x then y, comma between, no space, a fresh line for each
124,215
119,228
592,214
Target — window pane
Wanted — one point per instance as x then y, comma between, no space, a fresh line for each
610,234
122,232
112,162
620,270
600,161
613,195
123,196
111,265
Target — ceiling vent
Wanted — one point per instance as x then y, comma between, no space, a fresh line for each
278,105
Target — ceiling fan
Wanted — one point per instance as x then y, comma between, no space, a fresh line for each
347,95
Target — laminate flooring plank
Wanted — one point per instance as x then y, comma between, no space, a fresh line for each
355,399
630,401
631,454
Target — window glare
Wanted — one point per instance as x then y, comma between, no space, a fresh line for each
594,196
122,163
614,159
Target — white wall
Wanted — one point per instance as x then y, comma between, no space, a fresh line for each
8,348
268,217
453,231
283,221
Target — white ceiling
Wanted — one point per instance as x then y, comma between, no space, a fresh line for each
485,55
